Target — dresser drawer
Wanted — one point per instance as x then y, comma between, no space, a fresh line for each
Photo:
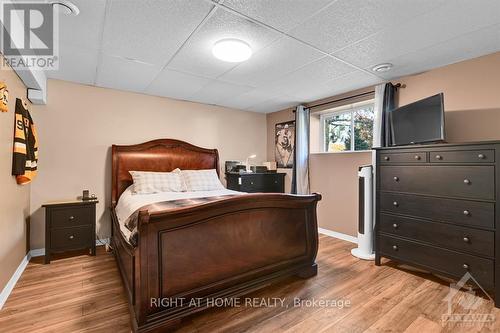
71,238
439,260
416,157
71,216
463,156
468,213
480,242
474,182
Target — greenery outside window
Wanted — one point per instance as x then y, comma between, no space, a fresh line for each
347,128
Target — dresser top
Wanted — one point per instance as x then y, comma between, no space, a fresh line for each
70,203
435,145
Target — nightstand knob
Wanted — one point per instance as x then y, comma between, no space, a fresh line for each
465,266
466,239
386,158
251,183
418,158
395,225
481,156
466,213
276,182
395,247
466,181
396,179
71,237
395,204
71,218
439,157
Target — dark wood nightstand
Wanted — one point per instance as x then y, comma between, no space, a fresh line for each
69,226
267,182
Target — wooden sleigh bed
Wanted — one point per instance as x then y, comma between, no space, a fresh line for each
221,249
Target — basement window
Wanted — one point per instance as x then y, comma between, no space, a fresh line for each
347,128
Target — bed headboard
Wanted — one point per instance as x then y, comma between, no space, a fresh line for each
163,155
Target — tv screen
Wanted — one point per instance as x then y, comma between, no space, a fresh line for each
418,122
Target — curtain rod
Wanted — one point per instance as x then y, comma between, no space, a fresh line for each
397,85
342,99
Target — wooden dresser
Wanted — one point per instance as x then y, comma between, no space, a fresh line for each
437,209
70,226
267,182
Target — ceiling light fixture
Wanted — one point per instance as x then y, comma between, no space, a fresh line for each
232,50
66,6
382,67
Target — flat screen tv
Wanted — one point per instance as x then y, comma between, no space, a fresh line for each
418,122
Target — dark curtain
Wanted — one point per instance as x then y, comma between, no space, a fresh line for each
388,106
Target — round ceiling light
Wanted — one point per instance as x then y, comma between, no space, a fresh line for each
382,67
232,50
66,6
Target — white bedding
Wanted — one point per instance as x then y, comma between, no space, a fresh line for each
129,203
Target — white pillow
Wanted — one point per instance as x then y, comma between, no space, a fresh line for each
201,180
146,182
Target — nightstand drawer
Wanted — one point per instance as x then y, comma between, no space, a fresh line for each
71,216
71,238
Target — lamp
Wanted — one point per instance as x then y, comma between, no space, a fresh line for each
248,162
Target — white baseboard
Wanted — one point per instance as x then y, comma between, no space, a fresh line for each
13,280
338,235
41,252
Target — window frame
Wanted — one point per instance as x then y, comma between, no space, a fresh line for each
347,108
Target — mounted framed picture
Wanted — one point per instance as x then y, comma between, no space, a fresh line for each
284,144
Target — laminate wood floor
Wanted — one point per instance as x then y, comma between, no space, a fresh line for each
85,294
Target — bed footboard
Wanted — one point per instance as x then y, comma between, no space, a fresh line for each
220,250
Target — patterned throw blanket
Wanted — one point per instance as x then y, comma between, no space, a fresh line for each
131,224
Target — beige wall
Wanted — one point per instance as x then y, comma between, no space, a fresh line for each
80,123
472,103
471,96
14,199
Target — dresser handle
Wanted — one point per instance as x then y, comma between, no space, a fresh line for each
396,179
481,156
71,218
466,239
418,158
465,266
395,204
439,157
386,158
466,213
395,225
251,183
395,247
71,237
466,181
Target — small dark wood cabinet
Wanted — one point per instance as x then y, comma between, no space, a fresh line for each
70,226
267,182
438,209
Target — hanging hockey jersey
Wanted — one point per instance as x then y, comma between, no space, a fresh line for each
24,161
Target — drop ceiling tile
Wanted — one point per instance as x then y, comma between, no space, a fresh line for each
170,83
85,29
349,82
249,98
280,14
217,92
310,76
468,46
435,27
348,21
153,30
196,56
119,73
276,104
75,65
272,62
